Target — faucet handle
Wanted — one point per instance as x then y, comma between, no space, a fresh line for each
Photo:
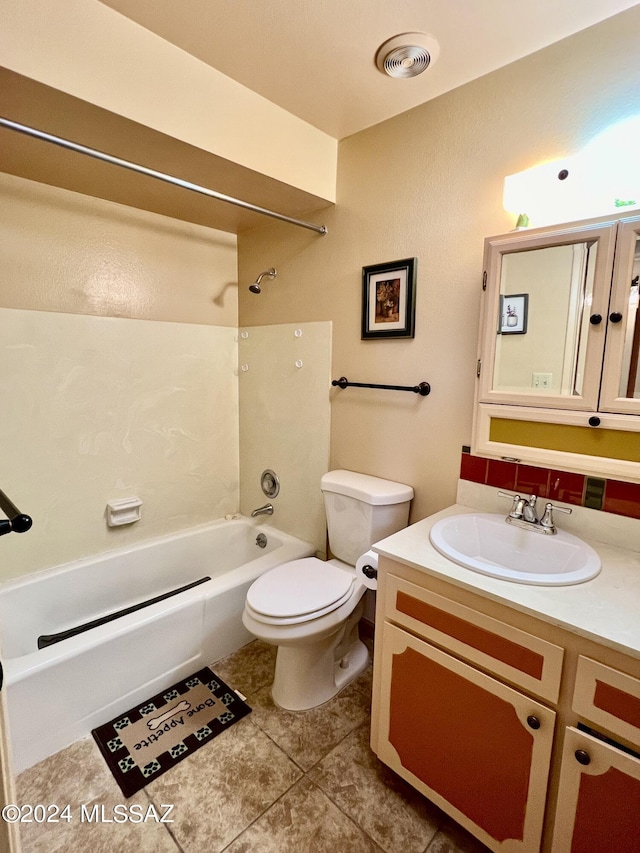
517,507
547,519
565,509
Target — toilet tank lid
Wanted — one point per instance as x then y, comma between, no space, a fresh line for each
363,487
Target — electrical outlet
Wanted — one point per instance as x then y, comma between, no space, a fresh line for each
542,380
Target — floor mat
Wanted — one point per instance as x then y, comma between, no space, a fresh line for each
154,736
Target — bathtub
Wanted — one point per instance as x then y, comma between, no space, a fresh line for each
56,695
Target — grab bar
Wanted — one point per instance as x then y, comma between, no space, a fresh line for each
16,521
45,640
423,388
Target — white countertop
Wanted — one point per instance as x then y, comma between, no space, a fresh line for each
605,609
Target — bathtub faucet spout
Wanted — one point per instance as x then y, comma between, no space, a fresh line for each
267,509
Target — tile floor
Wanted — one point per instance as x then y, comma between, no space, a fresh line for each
276,781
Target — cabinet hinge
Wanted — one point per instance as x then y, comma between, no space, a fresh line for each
478,367
484,280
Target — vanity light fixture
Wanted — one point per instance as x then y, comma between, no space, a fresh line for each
407,55
600,179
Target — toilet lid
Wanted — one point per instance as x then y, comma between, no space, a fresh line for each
298,588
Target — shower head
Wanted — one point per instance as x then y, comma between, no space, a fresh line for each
255,287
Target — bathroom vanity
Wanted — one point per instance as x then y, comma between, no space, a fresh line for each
514,708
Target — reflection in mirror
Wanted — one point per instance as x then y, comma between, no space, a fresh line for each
629,379
544,351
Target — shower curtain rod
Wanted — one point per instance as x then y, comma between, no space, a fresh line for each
152,173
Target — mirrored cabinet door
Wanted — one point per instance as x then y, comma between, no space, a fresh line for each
621,375
545,322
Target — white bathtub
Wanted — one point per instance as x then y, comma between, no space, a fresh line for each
56,695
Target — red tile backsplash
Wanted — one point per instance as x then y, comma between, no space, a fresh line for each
532,481
619,497
473,468
566,487
501,474
622,498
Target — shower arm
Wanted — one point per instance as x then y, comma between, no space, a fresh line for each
16,521
271,273
255,287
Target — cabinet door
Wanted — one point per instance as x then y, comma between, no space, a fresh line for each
621,376
545,320
475,747
599,804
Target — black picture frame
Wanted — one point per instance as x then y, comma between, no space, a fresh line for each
389,299
514,311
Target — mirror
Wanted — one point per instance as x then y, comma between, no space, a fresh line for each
629,378
545,296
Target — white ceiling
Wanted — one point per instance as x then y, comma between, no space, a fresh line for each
315,58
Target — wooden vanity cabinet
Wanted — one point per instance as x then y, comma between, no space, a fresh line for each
477,748
481,715
599,802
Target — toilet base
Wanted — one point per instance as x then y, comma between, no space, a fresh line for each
309,675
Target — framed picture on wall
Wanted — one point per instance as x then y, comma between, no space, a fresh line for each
389,299
513,314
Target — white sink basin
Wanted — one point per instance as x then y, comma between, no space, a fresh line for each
485,543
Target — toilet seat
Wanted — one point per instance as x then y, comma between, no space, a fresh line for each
299,591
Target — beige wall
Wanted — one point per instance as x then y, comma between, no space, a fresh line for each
428,184
61,251
88,50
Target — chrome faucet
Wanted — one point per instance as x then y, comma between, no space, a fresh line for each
530,512
524,513
267,509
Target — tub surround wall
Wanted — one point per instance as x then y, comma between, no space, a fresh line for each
284,381
104,408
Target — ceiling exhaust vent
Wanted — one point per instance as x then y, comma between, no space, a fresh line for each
407,55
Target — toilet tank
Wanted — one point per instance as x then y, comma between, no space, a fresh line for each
361,510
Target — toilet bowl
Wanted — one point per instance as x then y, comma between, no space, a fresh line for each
310,609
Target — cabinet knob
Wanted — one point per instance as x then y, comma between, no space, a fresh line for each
595,319
582,757
594,421
615,317
533,722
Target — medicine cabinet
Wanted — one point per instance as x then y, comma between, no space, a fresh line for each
559,348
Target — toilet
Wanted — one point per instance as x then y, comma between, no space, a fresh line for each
310,608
